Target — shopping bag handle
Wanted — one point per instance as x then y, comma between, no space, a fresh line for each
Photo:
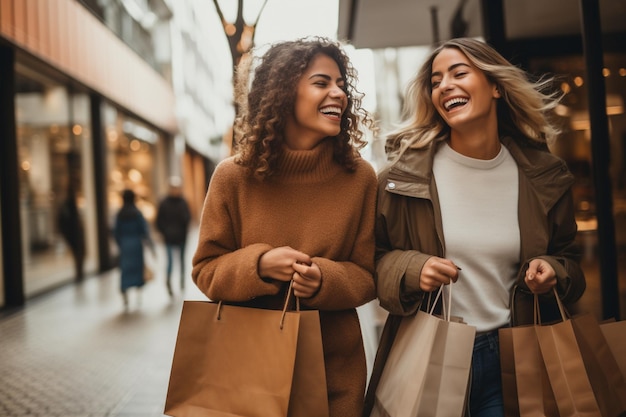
559,303
445,311
285,306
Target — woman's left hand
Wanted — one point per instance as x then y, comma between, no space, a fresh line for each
306,280
540,276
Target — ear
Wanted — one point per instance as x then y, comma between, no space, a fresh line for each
496,92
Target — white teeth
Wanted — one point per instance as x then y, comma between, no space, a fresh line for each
331,110
457,100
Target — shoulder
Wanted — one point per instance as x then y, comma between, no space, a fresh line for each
228,172
534,156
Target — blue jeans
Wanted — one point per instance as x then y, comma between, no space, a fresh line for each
485,398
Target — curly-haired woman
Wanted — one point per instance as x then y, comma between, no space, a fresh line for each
472,185
297,202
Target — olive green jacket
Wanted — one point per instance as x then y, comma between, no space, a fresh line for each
409,230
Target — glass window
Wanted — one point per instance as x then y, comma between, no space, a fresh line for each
574,146
56,196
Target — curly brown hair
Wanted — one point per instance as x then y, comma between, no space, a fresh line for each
265,106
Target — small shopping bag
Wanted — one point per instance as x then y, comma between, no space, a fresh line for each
427,371
241,361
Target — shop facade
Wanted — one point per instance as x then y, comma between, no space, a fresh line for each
83,116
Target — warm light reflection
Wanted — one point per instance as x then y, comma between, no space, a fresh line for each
622,72
606,72
562,110
135,176
565,88
26,166
77,129
135,145
578,81
116,175
112,135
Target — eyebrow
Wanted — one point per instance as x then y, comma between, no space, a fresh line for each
326,77
450,68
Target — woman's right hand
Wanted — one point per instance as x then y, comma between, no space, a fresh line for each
278,263
437,272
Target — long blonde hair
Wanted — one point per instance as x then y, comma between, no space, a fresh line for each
523,111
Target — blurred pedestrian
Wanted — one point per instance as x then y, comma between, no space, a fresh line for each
297,203
69,221
131,234
173,218
473,185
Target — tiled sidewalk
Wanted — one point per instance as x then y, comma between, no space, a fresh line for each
76,353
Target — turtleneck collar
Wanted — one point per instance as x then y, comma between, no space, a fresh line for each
312,165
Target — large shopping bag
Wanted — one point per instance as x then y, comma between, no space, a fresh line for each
427,370
565,367
241,361
525,386
602,368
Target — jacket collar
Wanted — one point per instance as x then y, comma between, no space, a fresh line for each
546,173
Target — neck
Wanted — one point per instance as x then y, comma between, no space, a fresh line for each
479,144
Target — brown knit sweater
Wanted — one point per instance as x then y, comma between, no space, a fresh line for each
315,206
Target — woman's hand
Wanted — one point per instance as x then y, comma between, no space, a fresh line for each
278,263
540,276
307,280
437,272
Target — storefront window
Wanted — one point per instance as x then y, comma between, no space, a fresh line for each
574,146
56,196
132,149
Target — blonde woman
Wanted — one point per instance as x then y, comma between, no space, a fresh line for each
474,196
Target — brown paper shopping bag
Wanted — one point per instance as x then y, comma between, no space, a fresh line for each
427,371
448,371
615,334
525,385
565,367
309,395
602,368
240,361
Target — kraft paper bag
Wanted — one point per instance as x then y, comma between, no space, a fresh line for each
525,385
309,394
566,370
427,370
615,334
448,371
240,361
602,369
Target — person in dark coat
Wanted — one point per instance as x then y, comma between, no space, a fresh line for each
131,233
69,221
173,218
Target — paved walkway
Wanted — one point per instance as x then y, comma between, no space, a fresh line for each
75,352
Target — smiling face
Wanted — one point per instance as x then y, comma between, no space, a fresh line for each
461,93
320,102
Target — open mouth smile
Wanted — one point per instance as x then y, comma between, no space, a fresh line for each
455,102
332,111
